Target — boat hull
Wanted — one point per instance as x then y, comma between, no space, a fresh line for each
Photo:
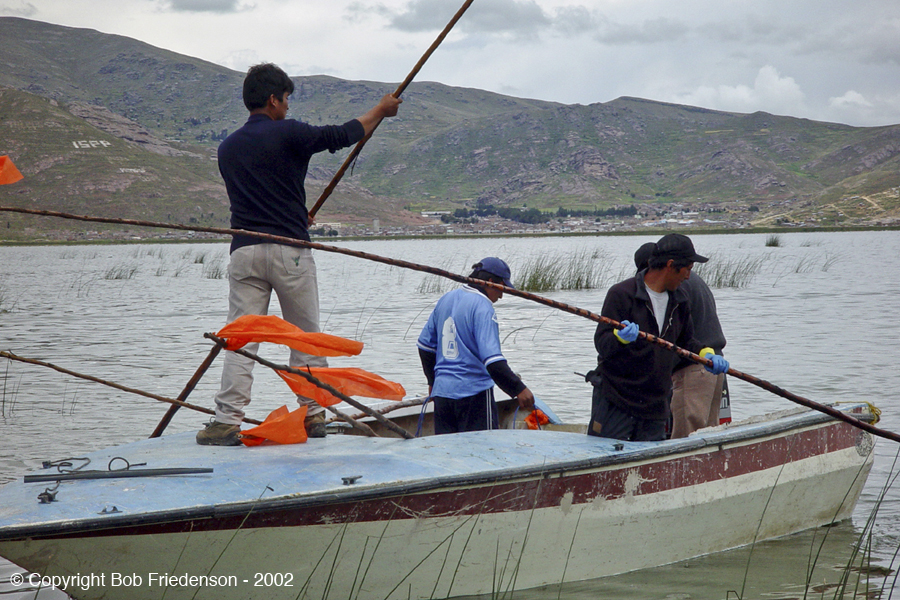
527,523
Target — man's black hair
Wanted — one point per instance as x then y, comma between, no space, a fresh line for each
261,82
479,273
659,262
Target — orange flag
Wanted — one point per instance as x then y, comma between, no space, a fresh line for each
280,427
348,381
269,328
536,419
8,171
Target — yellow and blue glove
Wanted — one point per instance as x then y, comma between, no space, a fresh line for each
719,364
628,333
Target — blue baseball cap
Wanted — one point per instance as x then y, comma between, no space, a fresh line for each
495,266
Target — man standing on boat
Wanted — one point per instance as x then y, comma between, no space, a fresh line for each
264,165
460,352
633,379
696,393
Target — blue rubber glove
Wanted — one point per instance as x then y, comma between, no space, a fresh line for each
628,333
719,364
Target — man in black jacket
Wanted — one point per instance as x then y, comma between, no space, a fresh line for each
633,379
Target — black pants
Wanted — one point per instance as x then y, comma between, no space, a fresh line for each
473,413
610,421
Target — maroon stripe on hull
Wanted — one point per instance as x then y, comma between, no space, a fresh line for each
525,494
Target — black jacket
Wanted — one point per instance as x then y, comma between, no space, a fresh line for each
637,377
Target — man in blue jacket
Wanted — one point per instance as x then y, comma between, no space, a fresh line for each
460,352
633,379
264,165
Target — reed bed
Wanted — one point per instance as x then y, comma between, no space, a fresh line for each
214,267
773,240
735,272
579,270
121,271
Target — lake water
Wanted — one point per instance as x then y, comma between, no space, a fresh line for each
818,317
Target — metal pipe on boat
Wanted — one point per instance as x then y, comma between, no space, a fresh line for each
116,474
358,405
462,279
359,146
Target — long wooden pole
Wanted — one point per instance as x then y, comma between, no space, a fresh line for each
32,361
462,279
188,388
359,146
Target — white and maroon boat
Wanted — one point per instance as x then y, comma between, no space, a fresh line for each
355,517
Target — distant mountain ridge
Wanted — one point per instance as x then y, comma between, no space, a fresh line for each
103,122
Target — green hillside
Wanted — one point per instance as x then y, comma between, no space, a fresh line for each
103,124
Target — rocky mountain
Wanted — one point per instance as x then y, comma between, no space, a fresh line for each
103,124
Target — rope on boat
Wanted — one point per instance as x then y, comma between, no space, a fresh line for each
277,239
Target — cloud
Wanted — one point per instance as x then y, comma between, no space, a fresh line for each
650,31
851,99
519,17
22,9
213,6
770,92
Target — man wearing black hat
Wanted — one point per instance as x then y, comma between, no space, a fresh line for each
633,379
696,393
460,352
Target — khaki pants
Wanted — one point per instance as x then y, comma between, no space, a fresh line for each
253,273
696,395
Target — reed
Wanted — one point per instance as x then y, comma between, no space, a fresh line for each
773,240
579,270
5,303
124,271
214,268
735,272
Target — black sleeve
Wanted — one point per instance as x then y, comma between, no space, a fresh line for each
505,379
428,359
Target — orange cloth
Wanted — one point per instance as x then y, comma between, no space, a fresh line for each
269,328
8,171
536,419
348,381
280,427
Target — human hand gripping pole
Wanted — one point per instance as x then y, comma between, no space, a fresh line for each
628,333
717,364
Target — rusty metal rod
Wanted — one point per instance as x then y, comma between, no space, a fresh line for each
359,145
32,361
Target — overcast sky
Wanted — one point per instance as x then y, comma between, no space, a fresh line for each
828,60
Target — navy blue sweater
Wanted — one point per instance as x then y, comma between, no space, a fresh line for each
264,165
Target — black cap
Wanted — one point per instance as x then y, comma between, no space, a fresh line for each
677,246
643,254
